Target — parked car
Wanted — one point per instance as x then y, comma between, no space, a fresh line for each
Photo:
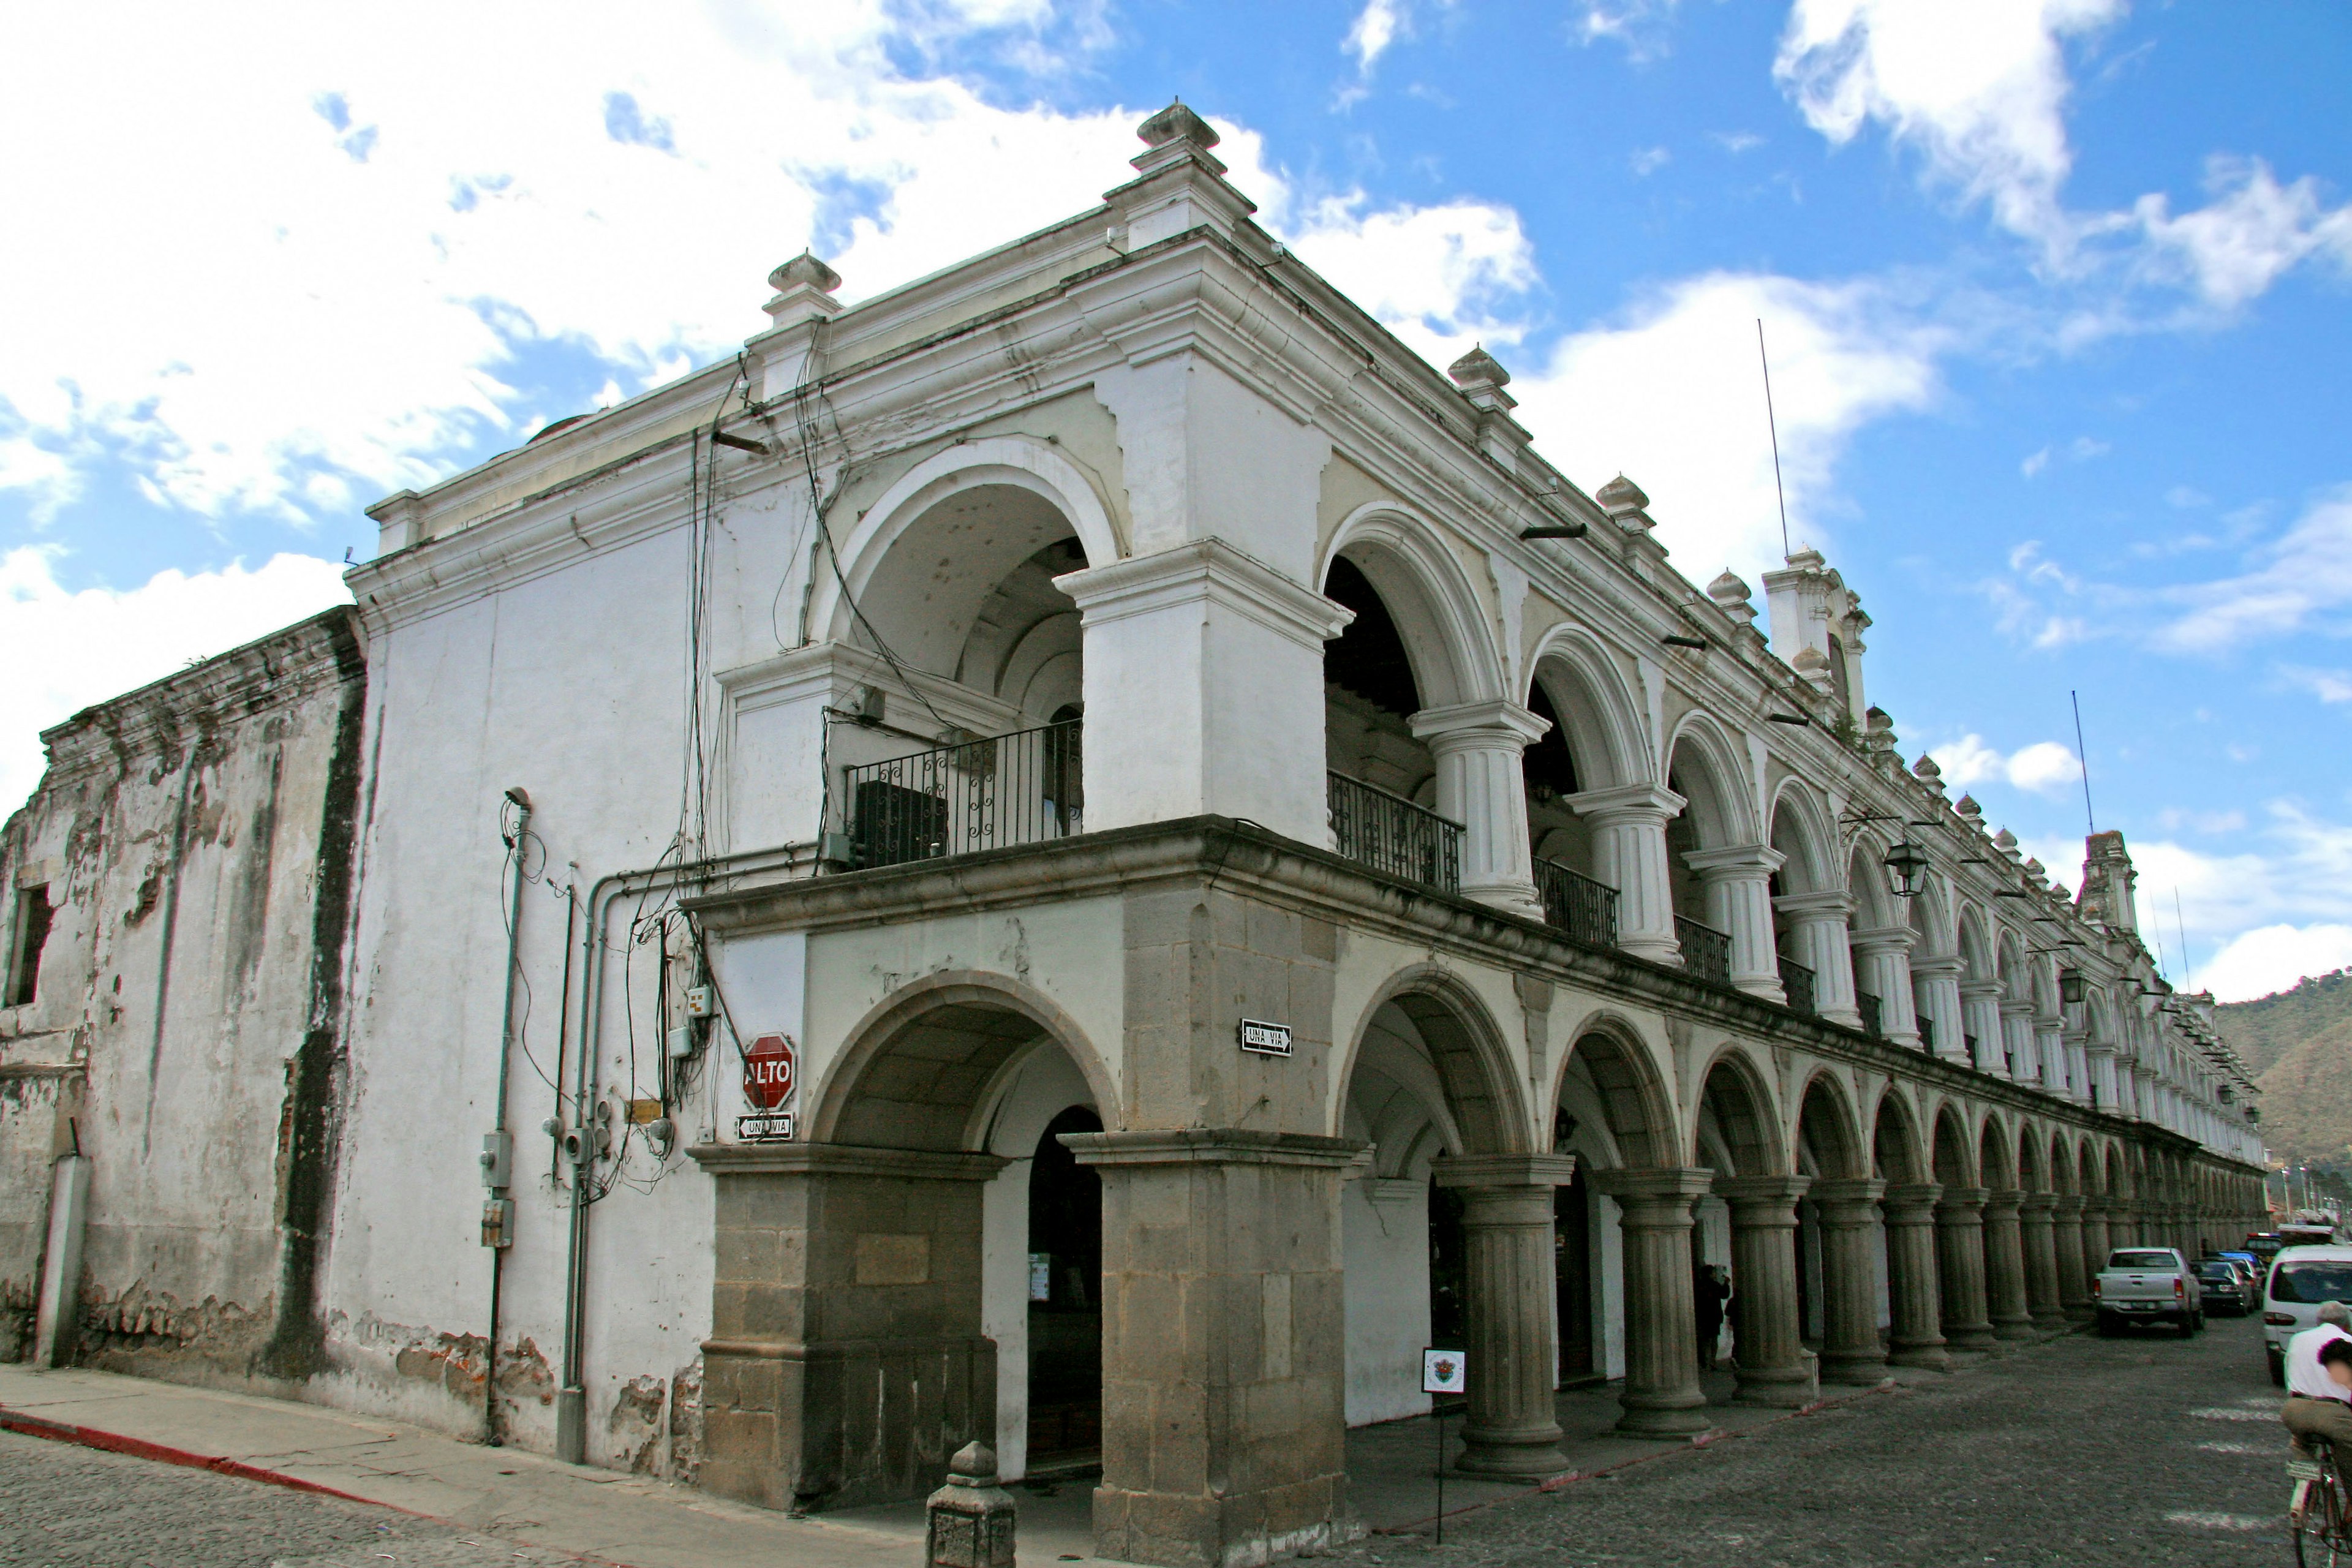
2148,1285
2224,1287
2301,1280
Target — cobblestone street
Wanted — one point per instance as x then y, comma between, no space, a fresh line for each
2142,1451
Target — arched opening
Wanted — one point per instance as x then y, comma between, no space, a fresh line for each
1733,1138
1065,1259
1800,931
1370,693
1711,818
1554,831
1828,1152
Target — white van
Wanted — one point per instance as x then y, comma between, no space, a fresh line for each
2301,1281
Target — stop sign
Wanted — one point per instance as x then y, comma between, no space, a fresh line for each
768,1064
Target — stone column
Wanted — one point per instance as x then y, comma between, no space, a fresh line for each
1960,1261
2039,1239
1225,1344
1882,958
1766,1349
1739,900
2004,1246
1936,983
1912,1291
2068,1238
1481,785
1661,1397
2017,1033
1820,920
1629,853
1506,1223
1851,1350
2095,1235
2049,1049
1981,1004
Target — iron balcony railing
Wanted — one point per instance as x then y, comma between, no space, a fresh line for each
1706,951
1872,1012
1021,788
1584,909
1390,834
1927,1026
1797,984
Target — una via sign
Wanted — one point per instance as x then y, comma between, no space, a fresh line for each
1260,1038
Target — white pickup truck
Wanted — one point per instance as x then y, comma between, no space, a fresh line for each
2147,1284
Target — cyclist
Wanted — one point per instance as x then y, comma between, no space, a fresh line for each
2319,1381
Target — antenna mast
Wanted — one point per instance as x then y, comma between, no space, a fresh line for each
1773,425
2083,756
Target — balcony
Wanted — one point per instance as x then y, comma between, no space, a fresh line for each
1019,788
1873,1014
1797,984
1706,951
1584,909
1392,835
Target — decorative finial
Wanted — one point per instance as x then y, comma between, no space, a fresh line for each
1621,495
1967,806
1177,123
1927,770
804,287
1478,369
804,268
1730,590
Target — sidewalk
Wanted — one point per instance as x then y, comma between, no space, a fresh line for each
643,1523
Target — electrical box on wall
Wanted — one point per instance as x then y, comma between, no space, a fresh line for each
701,1001
497,1223
498,1161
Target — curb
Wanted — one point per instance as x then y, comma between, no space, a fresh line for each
162,1454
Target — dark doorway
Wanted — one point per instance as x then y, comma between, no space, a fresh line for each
1065,1302
1572,1251
1449,1270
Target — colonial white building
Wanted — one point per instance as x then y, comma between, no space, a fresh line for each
1258,872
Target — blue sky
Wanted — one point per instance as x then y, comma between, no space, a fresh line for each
2056,289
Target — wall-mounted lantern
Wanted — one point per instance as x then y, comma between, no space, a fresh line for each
2070,986
1907,870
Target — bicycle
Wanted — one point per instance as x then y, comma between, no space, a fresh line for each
2320,1509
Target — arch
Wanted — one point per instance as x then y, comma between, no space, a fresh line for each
1713,781
1736,1103
2090,1174
1897,1154
2063,1178
1954,1152
1827,1130
1634,1097
1975,946
1931,914
1995,1154
1599,716
1865,883
1436,611
921,1069
1806,838
2032,1160
1474,1065
1012,465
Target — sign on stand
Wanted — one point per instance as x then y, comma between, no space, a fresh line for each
771,1068
1443,1372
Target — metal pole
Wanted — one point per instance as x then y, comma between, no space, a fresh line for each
520,847
1439,1411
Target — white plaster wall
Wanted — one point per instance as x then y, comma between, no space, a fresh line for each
1385,1247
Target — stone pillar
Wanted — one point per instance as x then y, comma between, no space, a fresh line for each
1851,1350
1739,900
1481,785
1820,920
1935,983
1506,1223
1912,1297
1766,1349
1629,853
2095,1235
2068,1239
1224,1355
1981,1004
1882,959
2039,1239
846,1360
2017,1033
2004,1246
2050,1050
1960,1264
1661,1397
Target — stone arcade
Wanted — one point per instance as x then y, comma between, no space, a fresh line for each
1003,688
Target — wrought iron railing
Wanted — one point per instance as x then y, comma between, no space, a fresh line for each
1584,909
1706,951
1925,1024
1390,834
1021,788
1872,1011
1797,984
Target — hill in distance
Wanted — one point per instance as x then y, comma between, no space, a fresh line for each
2298,1044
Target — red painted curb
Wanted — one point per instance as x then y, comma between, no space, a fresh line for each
139,1448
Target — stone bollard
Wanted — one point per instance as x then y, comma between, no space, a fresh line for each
971,1518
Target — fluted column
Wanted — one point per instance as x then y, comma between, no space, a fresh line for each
1768,1350
2005,1244
1850,1351
2050,1048
1961,1261
1661,1397
2017,1035
1935,987
1481,785
1629,853
1981,1004
1739,900
2095,1246
1513,1427
2040,1243
1820,920
1914,1300
1881,960
2068,1235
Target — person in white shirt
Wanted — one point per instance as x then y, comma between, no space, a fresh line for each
2319,1402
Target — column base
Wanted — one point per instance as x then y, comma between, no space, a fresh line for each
1779,1388
2014,1329
1663,1420
1512,1456
1970,1338
2050,1319
1864,1370
2080,1313
1937,1357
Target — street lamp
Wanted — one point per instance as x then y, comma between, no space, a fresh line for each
2070,986
1907,870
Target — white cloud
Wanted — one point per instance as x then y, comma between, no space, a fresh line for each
1670,394
2330,686
2253,230
2035,463
1438,277
2045,767
1375,28
1648,161
2303,578
1642,27
2272,959
119,639
1738,142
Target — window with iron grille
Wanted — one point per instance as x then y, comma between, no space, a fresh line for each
30,933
